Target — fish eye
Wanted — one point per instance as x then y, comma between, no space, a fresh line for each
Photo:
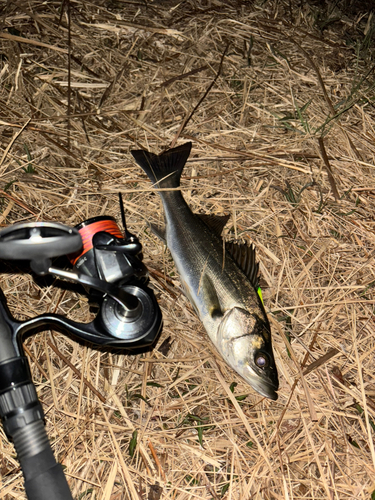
262,360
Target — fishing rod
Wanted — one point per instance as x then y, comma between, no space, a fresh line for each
108,263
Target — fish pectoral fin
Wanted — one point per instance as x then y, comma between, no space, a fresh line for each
244,257
215,222
210,298
159,231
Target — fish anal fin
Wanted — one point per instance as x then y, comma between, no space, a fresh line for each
159,231
210,297
215,222
245,258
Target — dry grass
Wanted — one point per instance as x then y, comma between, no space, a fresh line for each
137,72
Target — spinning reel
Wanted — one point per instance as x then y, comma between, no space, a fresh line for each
109,266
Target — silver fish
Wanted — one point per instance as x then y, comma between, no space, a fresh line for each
220,280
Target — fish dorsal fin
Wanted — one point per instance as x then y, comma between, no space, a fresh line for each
244,257
215,222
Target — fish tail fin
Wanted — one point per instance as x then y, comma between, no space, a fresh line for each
165,169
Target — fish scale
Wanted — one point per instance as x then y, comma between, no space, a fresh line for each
220,280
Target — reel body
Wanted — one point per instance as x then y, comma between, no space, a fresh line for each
107,264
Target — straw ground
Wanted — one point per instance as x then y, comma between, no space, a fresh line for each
278,100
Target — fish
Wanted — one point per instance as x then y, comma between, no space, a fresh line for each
220,279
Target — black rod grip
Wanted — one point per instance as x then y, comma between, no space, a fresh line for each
44,478
23,421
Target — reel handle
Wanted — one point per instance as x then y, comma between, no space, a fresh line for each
37,241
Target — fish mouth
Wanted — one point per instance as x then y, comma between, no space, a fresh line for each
264,386
267,390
